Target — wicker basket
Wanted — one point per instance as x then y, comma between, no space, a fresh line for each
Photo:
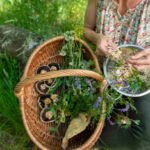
38,131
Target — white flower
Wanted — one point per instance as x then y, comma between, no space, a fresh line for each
71,64
63,53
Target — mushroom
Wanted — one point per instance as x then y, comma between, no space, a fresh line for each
47,101
42,70
53,66
54,98
44,101
41,87
46,115
50,83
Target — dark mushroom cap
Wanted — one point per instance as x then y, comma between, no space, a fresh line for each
54,66
41,87
46,115
42,69
44,101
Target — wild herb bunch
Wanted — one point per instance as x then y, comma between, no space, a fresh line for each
124,76
78,94
81,94
119,108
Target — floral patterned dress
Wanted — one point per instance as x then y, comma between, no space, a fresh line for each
132,28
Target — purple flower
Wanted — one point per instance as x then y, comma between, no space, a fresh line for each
129,89
110,122
77,83
96,104
90,84
127,86
125,109
125,83
143,73
114,81
73,87
107,96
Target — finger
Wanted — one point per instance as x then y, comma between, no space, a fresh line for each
105,51
139,55
141,67
108,37
112,45
139,62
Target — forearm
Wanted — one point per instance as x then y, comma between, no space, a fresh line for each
92,36
90,22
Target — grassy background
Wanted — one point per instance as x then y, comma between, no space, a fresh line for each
47,18
12,132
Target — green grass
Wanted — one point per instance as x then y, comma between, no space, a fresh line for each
47,18
12,132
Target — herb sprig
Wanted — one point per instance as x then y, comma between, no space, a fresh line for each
81,95
78,94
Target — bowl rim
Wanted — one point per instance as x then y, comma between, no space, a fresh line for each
109,82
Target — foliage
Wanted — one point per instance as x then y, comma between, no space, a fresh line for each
137,82
48,18
82,94
119,108
11,126
78,94
124,77
45,17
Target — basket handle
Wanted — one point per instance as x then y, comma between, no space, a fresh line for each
55,74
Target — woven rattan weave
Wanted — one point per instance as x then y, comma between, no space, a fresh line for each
38,131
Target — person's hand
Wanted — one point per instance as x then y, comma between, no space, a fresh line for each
102,45
141,60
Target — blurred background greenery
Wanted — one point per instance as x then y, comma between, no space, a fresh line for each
47,18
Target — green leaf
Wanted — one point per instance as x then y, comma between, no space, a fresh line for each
54,129
53,111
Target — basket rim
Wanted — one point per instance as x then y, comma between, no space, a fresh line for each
55,39
95,135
